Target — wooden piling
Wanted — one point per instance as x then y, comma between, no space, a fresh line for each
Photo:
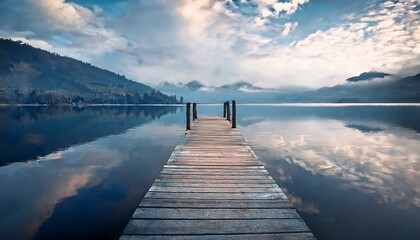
228,111
233,114
194,111
224,110
188,116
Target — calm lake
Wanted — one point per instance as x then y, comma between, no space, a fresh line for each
352,172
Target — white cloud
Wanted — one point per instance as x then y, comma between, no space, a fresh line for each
273,8
288,27
63,27
330,56
217,44
214,42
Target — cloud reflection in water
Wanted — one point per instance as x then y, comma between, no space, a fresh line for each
32,191
384,164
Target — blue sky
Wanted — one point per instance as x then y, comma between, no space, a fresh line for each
270,43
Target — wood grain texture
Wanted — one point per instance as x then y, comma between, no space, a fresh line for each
211,213
214,203
210,226
265,236
214,187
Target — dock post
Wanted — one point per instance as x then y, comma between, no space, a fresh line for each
194,111
188,116
224,110
228,110
233,114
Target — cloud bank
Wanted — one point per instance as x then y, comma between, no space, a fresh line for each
222,41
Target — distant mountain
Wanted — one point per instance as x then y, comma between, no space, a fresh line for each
242,86
367,76
395,90
241,91
194,85
31,75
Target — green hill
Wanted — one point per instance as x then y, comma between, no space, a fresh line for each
32,75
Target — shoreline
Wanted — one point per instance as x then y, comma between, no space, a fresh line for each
216,104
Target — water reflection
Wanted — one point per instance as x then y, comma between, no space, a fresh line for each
385,164
87,190
343,167
352,172
42,130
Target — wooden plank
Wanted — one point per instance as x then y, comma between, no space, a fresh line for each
225,196
213,177
215,173
213,153
227,160
260,236
211,147
226,170
214,158
210,163
212,185
216,181
170,167
211,213
185,189
215,203
177,168
251,226
199,161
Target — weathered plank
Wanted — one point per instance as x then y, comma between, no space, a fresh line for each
216,181
220,195
187,189
212,173
233,168
225,170
211,226
214,187
214,203
260,236
211,213
215,163
213,177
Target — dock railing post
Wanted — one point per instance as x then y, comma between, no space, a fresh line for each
188,116
194,111
228,110
224,109
233,114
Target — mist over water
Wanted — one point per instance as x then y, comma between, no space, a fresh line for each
352,172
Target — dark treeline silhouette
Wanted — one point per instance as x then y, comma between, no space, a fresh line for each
44,97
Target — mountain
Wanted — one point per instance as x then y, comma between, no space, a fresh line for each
32,75
359,89
241,91
194,85
394,90
242,86
365,76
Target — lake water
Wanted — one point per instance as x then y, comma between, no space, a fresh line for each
353,172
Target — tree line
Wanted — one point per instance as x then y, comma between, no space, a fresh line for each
16,96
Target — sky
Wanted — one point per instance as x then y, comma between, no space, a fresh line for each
269,43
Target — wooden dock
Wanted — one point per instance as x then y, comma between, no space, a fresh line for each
214,187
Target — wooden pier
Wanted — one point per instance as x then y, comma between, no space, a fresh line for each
214,187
